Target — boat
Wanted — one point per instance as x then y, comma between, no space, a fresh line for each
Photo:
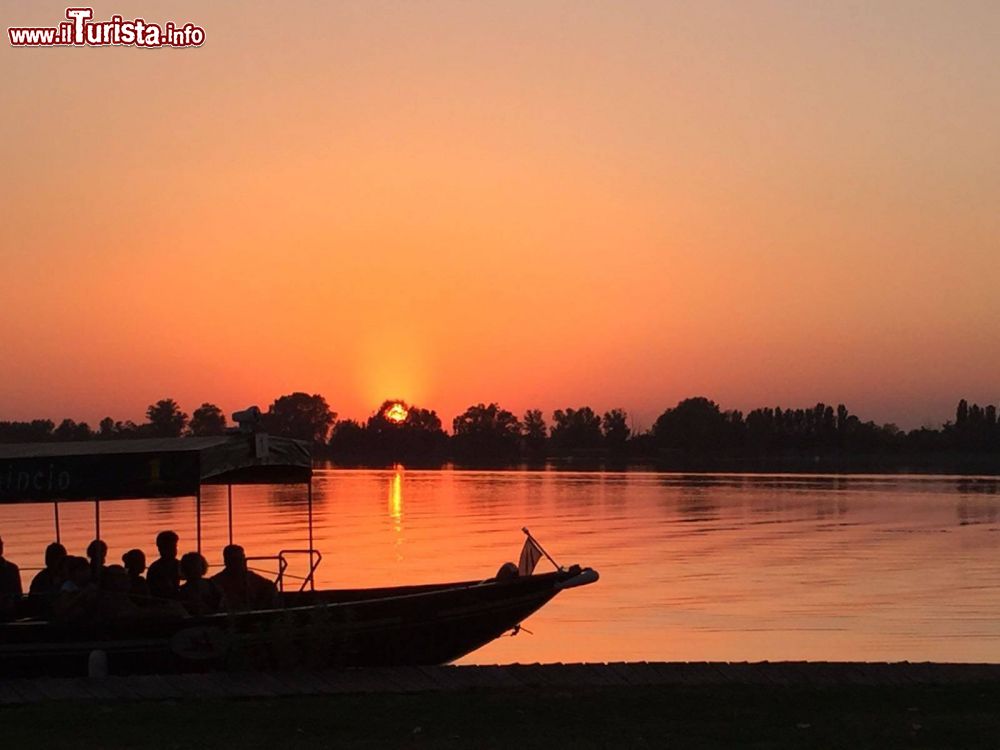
401,625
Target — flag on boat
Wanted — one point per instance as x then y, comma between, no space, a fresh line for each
531,553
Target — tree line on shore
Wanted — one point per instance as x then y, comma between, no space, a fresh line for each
693,433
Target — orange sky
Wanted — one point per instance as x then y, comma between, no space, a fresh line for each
544,204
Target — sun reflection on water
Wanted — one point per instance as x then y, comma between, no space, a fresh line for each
396,509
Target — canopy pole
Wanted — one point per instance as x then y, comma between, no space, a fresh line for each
97,518
197,512
229,507
309,495
56,506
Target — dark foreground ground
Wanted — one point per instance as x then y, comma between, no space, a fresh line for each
675,716
637,704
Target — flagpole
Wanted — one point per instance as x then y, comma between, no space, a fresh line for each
540,547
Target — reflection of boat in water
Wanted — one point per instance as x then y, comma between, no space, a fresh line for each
425,624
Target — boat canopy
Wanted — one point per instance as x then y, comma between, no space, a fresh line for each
158,467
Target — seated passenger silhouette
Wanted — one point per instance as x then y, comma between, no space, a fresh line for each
198,595
243,589
164,576
48,580
10,587
113,602
135,564
77,598
97,553
45,585
507,572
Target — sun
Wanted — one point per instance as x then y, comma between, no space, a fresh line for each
396,413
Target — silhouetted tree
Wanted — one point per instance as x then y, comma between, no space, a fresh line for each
760,431
418,438
129,429
829,428
535,433
166,418
842,416
695,427
35,431
299,415
616,431
348,441
975,428
962,413
423,421
486,434
70,430
208,419
815,431
106,428
576,431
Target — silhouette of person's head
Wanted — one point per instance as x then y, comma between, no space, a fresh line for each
97,552
134,561
193,566
166,543
55,553
507,572
234,558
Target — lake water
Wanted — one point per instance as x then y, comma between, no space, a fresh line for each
693,567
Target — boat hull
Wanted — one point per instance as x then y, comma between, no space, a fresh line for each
431,624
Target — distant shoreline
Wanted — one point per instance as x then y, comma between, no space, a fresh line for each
958,466
696,435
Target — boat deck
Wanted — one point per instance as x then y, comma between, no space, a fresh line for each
451,678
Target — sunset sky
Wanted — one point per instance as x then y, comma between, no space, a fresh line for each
537,203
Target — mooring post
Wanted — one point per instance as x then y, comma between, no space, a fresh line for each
197,512
309,495
97,664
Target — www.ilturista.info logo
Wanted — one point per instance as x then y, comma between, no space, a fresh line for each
81,31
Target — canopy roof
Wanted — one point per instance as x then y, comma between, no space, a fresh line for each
159,467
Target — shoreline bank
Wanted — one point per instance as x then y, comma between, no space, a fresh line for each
706,705
437,679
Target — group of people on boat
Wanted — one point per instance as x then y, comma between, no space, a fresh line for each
86,589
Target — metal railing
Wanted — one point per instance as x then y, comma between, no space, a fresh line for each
315,558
